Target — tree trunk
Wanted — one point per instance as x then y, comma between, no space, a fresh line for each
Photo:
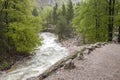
119,34
111,19
97,28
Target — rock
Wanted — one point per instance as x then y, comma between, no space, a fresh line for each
97,45
42,77
91,48
104,43
80,56
33,78
69,64
87,51
115,39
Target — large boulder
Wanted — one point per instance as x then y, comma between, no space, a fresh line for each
87,51
91,47
97,45
80,56
69,64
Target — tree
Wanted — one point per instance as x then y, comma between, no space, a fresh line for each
70,12
117,18
35,12
18,26
111,19
91,20
62,29
119,34
55,15
63,10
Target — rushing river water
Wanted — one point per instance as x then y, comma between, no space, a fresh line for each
46,55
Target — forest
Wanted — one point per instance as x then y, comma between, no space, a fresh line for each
21,21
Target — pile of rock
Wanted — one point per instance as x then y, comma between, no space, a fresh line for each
89,49
69,64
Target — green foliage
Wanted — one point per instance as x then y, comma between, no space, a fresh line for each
24,39
19,28
94,21
91,20
60,18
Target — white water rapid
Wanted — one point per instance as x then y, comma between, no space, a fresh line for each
46,55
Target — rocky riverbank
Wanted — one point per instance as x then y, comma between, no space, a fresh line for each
75,51
102,64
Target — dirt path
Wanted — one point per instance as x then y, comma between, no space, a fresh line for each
102,64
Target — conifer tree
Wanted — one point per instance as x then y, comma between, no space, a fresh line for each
35,12
55,15
63,10
70,11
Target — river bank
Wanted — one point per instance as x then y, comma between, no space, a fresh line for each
72,45
74,52
59,72
101,64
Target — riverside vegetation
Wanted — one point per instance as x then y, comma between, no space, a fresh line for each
21,21
18,30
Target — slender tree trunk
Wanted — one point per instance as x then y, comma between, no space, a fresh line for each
111,19
6,6
84,39
97,27
119,34
6,13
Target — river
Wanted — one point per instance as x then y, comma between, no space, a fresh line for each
46,55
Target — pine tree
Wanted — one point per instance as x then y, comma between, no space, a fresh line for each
63,10
35,12
70,11
62,29
55,15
